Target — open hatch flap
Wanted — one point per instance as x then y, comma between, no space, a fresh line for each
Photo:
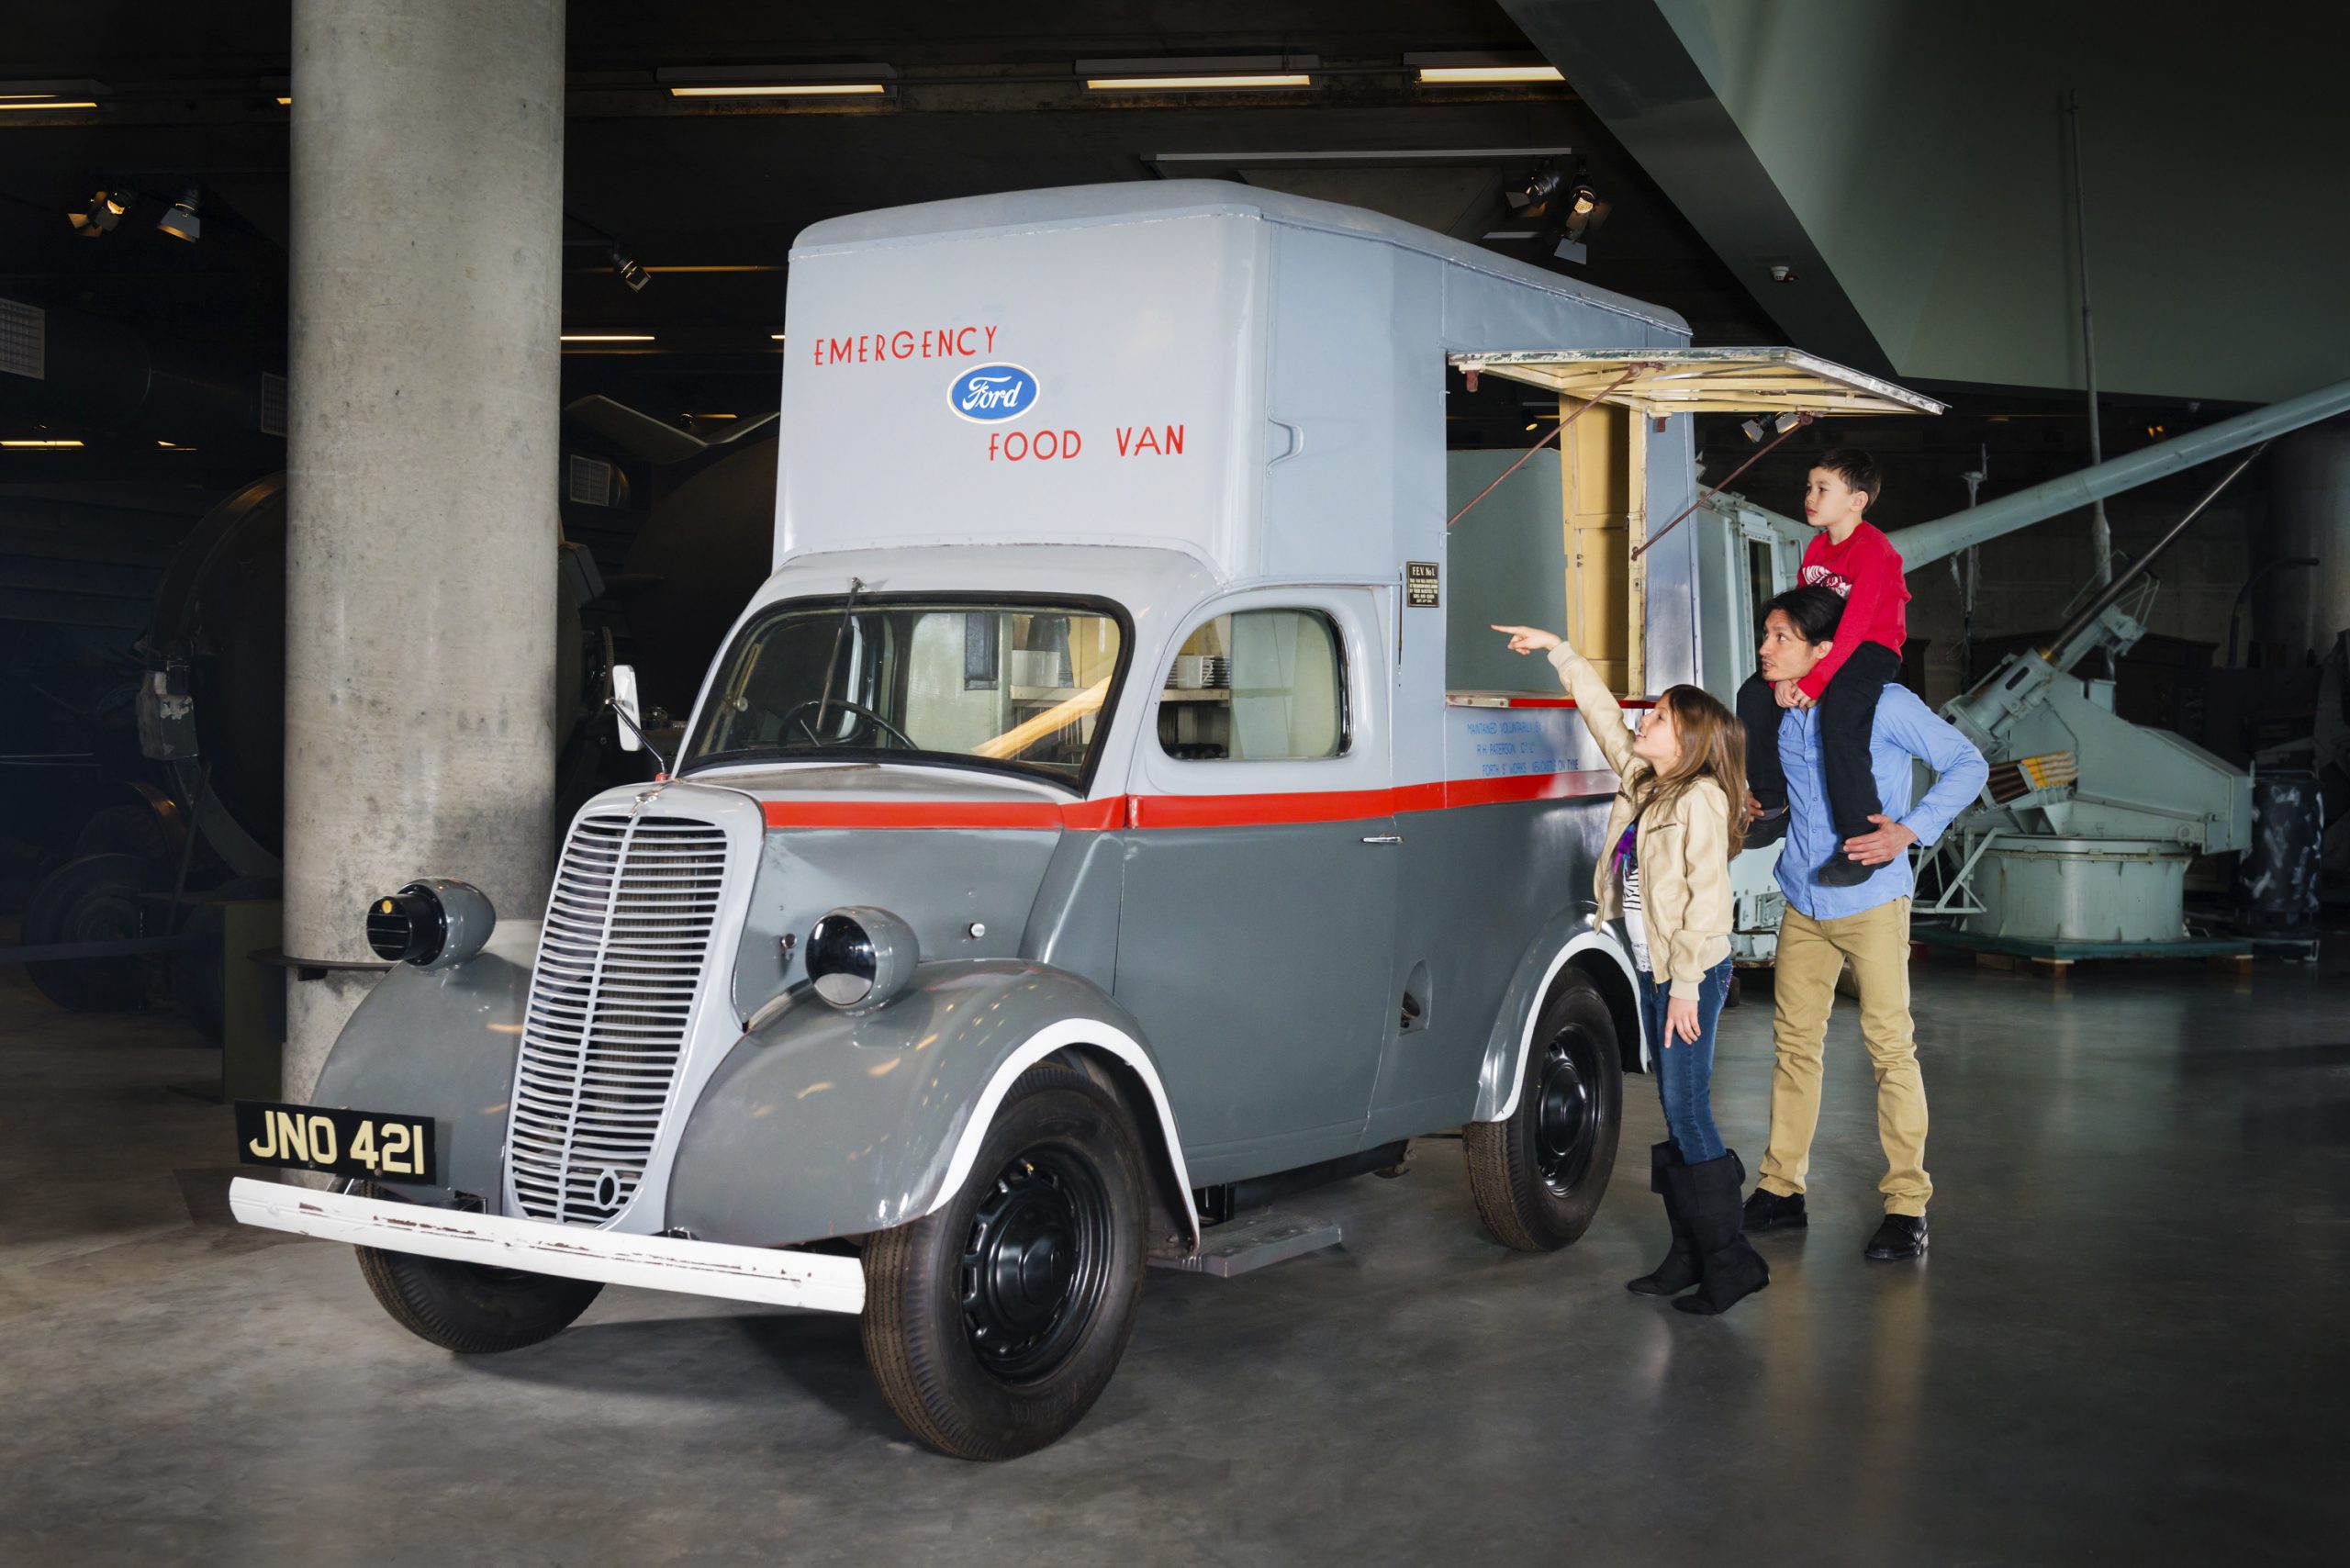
1702,381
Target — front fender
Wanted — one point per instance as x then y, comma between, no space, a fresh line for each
1566,938
442,1044
825,1123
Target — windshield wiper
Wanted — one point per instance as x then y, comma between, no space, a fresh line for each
831,662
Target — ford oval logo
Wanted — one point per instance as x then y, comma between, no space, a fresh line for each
990,393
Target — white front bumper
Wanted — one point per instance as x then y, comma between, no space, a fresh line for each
653,1263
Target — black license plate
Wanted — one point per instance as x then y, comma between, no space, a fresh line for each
375,1144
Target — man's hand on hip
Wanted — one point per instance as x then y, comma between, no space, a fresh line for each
1878,848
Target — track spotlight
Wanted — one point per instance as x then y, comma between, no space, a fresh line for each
635,276
181,222
1531,197
1756,429
1584,214
107,208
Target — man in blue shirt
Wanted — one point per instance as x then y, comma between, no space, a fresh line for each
1867,924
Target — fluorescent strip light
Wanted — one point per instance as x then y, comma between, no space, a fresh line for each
1186,84
713,415
1454,75
53,104
174,446
43,445
742,268
607,337
283,100
774,337
786,90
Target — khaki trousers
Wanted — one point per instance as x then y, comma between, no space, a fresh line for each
1811,955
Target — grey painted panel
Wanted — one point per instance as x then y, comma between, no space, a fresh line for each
1258,960
940,882
835,1124
1073,925
442,1044
1483,886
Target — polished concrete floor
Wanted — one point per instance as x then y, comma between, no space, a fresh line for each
2126,1346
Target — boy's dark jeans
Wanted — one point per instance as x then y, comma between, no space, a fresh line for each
1847,715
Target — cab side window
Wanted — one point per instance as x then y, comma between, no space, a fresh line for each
1257,686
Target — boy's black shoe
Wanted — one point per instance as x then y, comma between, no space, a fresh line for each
1899,1238
1843,871
1773,1211
1768,828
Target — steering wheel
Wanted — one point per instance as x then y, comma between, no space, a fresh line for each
857,708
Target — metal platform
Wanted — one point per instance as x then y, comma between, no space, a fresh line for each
1255,1241
2069,952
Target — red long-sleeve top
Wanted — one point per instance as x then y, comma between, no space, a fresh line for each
1866,570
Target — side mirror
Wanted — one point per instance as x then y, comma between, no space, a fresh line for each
624,699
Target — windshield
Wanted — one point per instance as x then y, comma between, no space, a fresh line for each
1022,686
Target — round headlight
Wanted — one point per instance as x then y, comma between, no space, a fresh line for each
860,958
435,924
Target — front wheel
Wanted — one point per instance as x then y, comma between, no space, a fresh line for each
471,1308
1538,1175
993,1324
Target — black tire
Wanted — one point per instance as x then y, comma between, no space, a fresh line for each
995,1324
1538,1176
99,898
469,1307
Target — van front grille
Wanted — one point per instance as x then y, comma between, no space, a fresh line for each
628,931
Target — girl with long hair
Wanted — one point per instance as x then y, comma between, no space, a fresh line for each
1678,817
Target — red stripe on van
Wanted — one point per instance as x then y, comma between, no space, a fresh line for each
1170,812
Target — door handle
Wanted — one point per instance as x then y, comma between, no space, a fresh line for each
1384,838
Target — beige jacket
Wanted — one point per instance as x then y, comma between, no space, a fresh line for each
1684,847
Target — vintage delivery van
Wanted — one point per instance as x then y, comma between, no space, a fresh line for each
1102,818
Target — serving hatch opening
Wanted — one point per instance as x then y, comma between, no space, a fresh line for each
1607,400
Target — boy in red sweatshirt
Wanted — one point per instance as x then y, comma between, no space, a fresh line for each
1853,557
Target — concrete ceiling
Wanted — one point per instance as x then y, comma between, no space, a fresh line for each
1907,162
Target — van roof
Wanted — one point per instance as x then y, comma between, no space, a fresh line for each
1102,206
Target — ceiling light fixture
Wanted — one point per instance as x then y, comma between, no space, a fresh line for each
181,221
785,90
49,103
174,446
608,336
107,208
1480,70
1198,74
1469,76
865,81
630,273
44,445
774,337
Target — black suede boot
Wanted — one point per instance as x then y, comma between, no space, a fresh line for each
1727,1261
1679,1269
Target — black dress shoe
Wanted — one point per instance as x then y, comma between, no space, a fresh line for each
1773,1211
1843,871
1766,829
1900,1237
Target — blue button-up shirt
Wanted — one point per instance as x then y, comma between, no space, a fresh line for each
1905,728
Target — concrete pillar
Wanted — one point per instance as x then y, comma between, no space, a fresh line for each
421,541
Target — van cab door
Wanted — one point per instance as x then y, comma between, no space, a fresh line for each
1257,936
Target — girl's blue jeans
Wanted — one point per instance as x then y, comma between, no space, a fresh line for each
1684,1072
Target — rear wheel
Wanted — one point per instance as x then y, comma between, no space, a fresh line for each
470,1308
993,1324
1538,1174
